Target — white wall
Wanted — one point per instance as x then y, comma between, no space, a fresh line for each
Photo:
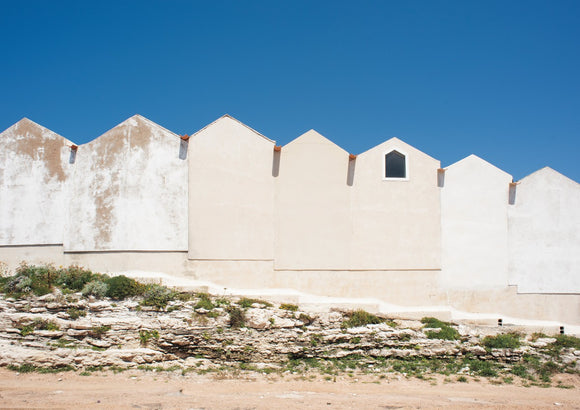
34,167
474,201
544,234
313,219
395,223
231,193
129,191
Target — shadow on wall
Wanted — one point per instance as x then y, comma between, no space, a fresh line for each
183,148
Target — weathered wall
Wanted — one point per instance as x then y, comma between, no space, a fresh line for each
474,201
313,220
544,234
231,191
34,167
129,191
395,223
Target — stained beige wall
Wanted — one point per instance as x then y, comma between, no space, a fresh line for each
231,193
34,168
129,191
396,223
313,220
474,204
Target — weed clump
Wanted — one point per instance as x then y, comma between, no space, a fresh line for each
360,318
502,341
248,302
446,332
146,335
95,288
204,302
289,306
157,296
121,287
237,317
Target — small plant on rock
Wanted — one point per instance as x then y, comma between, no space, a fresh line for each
446,332
359,318
146,335
289,306
122,287
157,296
502,341
95,288
237,317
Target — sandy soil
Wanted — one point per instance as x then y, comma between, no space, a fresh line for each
148,390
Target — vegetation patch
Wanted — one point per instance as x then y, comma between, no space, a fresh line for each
446,332
360,318
503,341
289,306
248,302
237,317
146,335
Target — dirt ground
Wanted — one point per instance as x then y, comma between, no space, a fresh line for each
149,390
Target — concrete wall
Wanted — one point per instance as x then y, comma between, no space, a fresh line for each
544,234
231,193
228,208
34,168
313,221
396,223
129,191
474,201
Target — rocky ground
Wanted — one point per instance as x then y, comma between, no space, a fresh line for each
203,334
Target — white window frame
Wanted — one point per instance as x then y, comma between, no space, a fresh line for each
384,169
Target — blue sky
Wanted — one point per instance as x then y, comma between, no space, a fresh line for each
499,79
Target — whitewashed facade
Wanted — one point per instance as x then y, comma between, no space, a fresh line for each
228,206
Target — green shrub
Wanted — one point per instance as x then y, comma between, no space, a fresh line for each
204,302
446,333
157,296
359,318
520,370
75,313
95,288
502,341
31,279
99,331
26,330
121,287
248,302
289,306
567,341
237,317
481,367
146,335
75,278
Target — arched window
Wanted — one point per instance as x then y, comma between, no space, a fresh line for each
395,165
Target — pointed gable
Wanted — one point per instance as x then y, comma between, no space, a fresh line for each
34,166
399,145
228,124
477,165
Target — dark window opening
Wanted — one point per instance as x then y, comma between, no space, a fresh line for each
395,165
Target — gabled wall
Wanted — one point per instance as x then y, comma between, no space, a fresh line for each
474,201
129,191
313,221
231,193
544,234
34,168
395,223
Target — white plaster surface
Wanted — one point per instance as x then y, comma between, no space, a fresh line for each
313,222
129,191
34,167
544,234
396,224
474,201
231,193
